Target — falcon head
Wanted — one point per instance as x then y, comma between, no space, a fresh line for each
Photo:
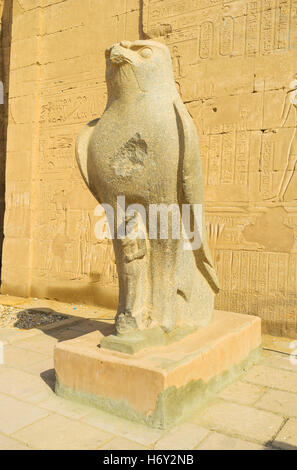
141,65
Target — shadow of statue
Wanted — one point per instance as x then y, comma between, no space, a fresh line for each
74,327
278,445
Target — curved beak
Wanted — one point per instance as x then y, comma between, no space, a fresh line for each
118,54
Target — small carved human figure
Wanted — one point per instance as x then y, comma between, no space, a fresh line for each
176,62
145,148
290,103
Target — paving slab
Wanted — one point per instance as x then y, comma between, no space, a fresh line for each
43,344
121,427
39,368
284,403
250,413
217,441
15,414
63,407
272,378
87,326
12,335
240,421
23,386
59,433
281,361
6,443
119,443
242,393
287,437
20,358
184,437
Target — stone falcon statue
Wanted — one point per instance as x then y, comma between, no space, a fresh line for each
145,147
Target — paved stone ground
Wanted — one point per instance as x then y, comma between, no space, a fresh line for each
258,412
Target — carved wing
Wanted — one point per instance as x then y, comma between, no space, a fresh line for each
193,192
81,149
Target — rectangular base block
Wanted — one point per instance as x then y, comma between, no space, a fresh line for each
159,386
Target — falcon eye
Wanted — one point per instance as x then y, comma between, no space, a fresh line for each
146,53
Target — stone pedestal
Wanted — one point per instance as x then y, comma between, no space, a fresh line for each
163,385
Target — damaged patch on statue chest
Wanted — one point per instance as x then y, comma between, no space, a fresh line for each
131,157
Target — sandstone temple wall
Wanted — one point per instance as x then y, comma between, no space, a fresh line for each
233,63
5,39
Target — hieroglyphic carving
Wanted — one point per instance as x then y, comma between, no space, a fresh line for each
268,26
233,62
252,27
283,23
242,158
227,36
246,156
56,151
266,165
70,109
214,160
206,40
214,231
66,224
227,231
227,158
67,237
177,63
289,107
264,25
293,23
291,221
245,272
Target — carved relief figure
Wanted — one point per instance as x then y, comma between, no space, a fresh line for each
145,147
290,104
177,64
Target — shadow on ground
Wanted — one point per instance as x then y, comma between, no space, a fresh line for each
80,327
49,378
277,445
76,326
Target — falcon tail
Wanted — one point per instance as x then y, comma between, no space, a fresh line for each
81,149
193,187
